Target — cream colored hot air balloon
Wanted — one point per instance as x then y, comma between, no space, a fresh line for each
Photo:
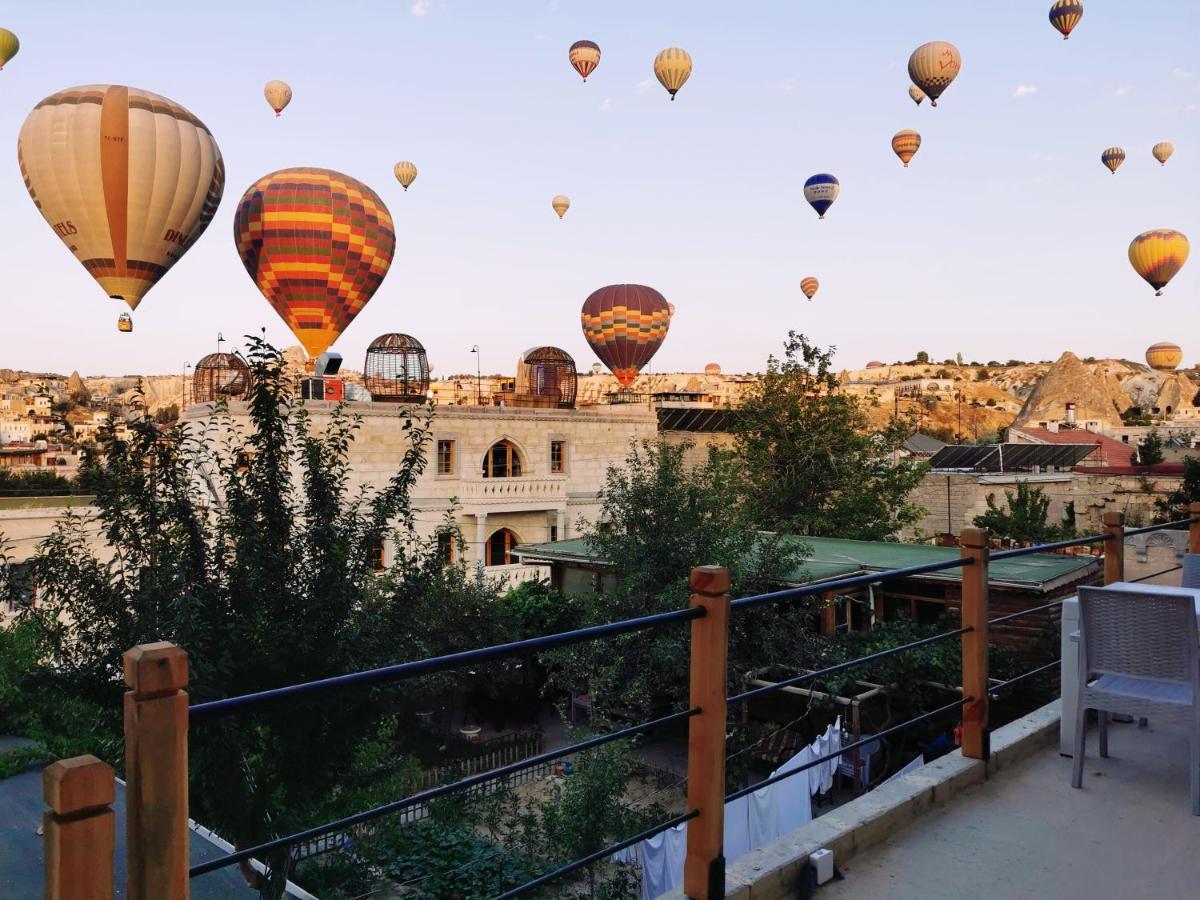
126,178
9,45
584,57
561,204
1162,151
916,93
278,94
933,66
905,145
672,68
405,172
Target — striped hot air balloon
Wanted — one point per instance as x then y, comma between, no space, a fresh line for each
317,244
127,179
1157,255
1065,15
809,286
933,66
9,45
1164,356
820,191
905,145
584,56
278,94
916,94
405,172
672,68
1162,151
1112,158
625,324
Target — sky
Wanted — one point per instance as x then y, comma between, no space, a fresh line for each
1005,238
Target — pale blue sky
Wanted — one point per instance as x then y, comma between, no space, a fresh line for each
1005,237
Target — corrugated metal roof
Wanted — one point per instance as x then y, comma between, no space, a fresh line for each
703,419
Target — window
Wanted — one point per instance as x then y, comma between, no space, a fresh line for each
499,548
502,461
445,457
558,457
445,547
553,533
377,556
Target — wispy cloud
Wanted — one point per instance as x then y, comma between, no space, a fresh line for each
644,85
787,85
420,7
1039,156
1192,107
1123,90
1025,90
606,104
1181,73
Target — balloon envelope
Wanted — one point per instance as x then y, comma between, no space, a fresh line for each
584,57
809,286
126,178
625,324
672,67
561,203
1162,151
405,172
317,244
1164,356
1157,255
933,66
1112,158
1065,15
278,94
905,145
916,93
820,191
9,45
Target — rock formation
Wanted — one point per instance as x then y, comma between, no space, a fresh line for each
1070,381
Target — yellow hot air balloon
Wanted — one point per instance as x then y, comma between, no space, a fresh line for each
933,66
1157,255
916,93
278,94
905,144
406,173
809,286
561,204
672,68
1164,356
1162,151
1065,15
128,179
1112,158
9,46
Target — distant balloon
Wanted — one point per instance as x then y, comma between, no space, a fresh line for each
405,172
905,145
278,94
584,56
809,286
820,191
672,68
1112,158
625,324
1065,15
127,179
1164,356
561,204
933,66
1162,151
671,310
916,93
9,45
1157,255
317,244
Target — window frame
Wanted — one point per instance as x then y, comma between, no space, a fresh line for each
514,464
561,443
452,440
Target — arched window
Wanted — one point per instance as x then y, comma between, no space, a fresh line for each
499,548
502,461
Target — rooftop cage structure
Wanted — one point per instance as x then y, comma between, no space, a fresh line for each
220,376
396,369
546,377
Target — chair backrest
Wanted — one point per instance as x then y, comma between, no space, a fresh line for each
1191,570
1143,635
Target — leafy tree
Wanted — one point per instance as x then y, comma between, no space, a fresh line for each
922,357
33,482
1174,506
814,465
167,415
1150,449
1023,518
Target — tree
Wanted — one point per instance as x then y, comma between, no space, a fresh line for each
1174,506
1023,518
814,465
1150,449
922,357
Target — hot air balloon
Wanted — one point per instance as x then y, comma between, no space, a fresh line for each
672,68
809,286
561,204
584,56
405,172
1157,255
1065,15
1162,151
278,94
916,93
1164,356
820,191
625,324
905,145
317,244
126,178
933,66
671,310
9,46
124,323
1113,157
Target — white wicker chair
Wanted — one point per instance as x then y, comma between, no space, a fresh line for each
1138,655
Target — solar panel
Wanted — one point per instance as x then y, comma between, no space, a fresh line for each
1011,457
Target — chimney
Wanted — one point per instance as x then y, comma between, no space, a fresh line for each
1070,415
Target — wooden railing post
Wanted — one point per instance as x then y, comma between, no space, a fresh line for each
156,772
79,829
704,867
1114,547
1194,528
974,544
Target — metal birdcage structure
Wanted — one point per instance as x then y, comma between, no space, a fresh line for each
220,376
546,377
396,369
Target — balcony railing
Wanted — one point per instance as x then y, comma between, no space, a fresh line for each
157,719
524,487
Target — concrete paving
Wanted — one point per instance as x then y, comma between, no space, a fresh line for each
1026,833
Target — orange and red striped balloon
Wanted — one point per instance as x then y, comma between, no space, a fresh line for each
625,324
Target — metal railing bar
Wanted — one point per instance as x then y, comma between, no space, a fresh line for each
227,705
1026,612
1160,527
813,676
836,584
597,856
434,793
993,691
775,779
1042,548
1155,574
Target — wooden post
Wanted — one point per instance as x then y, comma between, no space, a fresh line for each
80,830
974,544
828,613
156,772
704,867
1114,547
1194,528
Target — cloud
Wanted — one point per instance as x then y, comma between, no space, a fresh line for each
1025,90
606,104
644,85
1181,73
421,7
1192,107
1039,156
1123,90
787,85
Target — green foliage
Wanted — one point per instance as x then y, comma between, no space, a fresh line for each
1150,450
38,481
1136,416
1023,518
168,415
983,375
922,357
1174,506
